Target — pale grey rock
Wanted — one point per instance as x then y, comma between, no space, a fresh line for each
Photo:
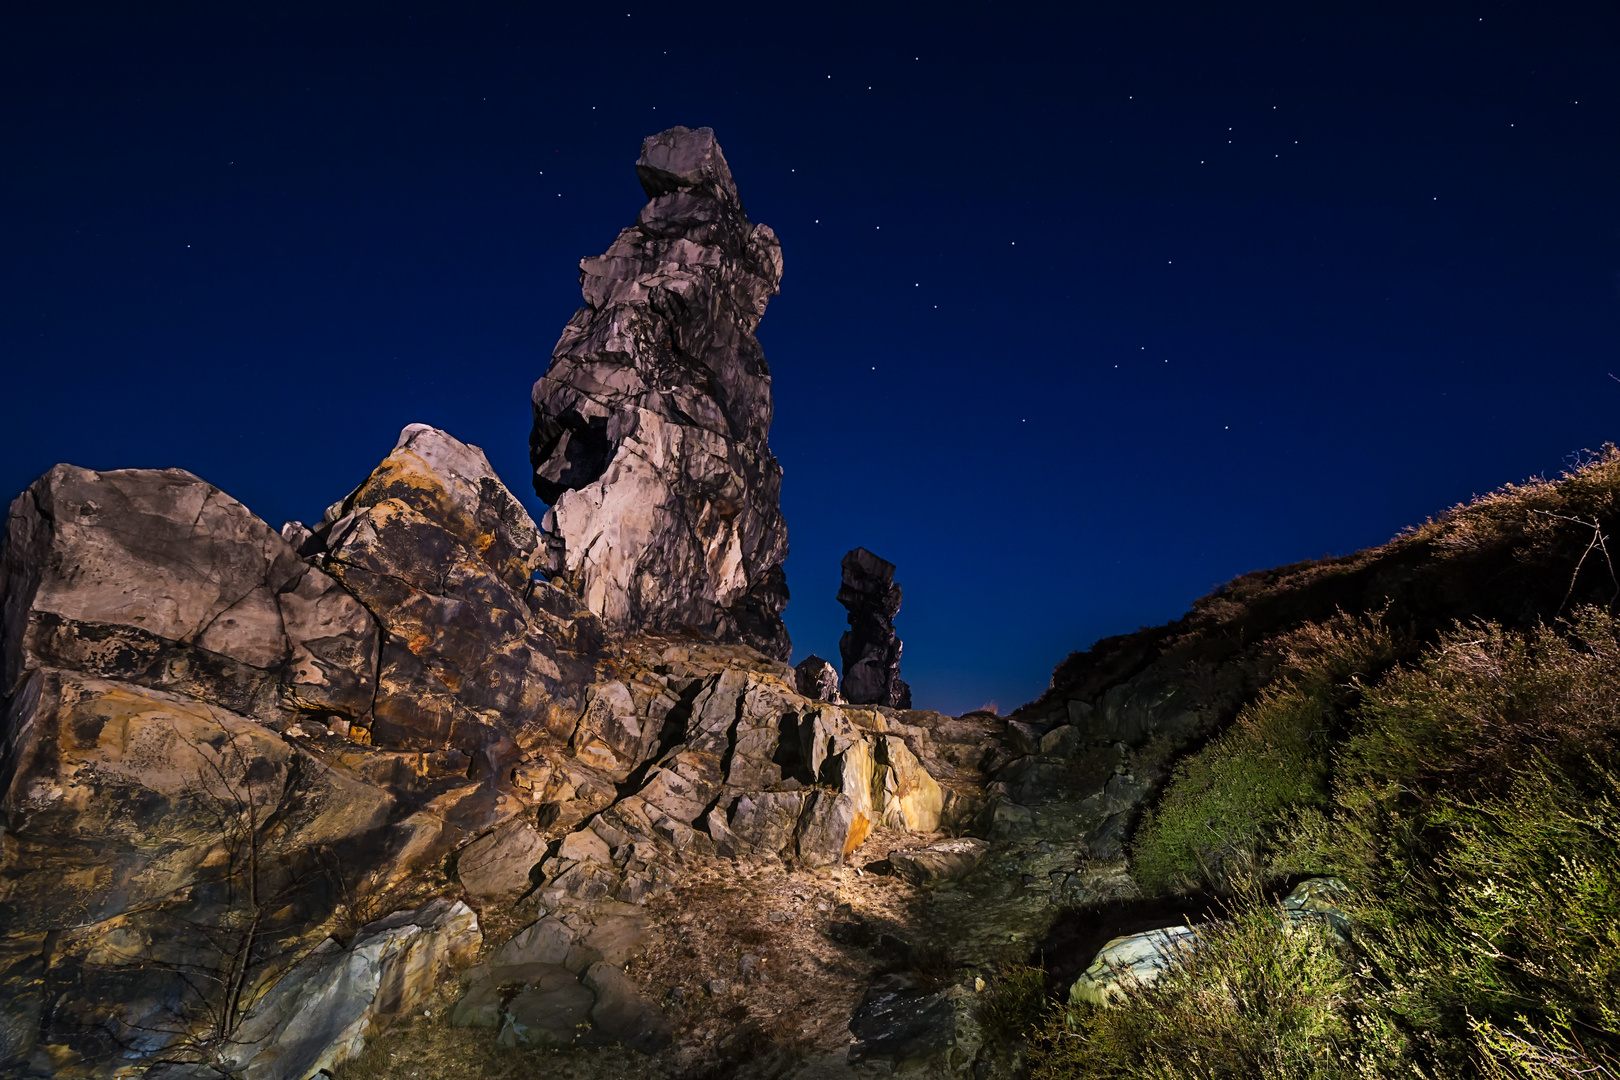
651,424
159,578
1134,960
319,1014
766,820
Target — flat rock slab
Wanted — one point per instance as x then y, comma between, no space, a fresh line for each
900,1023
949,860
497,866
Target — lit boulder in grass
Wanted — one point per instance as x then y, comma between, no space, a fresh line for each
651,424
1130,961
1318,901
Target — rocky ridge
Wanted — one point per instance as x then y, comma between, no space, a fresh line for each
251,779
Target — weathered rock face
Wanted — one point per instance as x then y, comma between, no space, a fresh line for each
650,427
870,648
437,548
159,578
217,734
817,679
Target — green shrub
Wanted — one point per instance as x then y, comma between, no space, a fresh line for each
1249,1000
1209,827
1012,1003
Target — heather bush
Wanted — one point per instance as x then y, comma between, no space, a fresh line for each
1252,998
1209,828
1012,1003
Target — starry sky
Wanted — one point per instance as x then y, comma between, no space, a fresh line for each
1087,309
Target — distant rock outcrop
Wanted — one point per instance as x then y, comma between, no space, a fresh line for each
870,648
817,679
650,427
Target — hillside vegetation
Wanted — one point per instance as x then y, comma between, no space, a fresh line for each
1437,723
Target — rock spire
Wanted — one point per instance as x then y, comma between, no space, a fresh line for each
870,648
650,427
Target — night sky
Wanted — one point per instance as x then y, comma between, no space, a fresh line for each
1087,308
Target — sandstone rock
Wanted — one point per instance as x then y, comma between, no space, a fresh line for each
650,427
912,799
436,547
1026,738
118,796
1061,742
948,860
1133,960
496,867
870,648
610,735
817,679
766,821
159,578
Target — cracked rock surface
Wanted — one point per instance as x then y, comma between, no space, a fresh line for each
651,424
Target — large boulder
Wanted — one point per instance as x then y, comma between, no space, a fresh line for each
442,553
651,424
157,577
870,648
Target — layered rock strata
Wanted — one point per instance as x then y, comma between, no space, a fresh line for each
215,733
870,648
222,743
651,424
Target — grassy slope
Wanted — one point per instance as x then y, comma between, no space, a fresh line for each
1436,721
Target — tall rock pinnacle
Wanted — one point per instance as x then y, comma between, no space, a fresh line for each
650,427
870,648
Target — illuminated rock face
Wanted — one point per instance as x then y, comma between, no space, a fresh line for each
650,427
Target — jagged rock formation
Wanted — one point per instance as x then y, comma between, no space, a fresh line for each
870,648
354,717
817,679
650,426
194,706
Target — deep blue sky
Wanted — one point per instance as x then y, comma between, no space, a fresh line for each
1087,308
